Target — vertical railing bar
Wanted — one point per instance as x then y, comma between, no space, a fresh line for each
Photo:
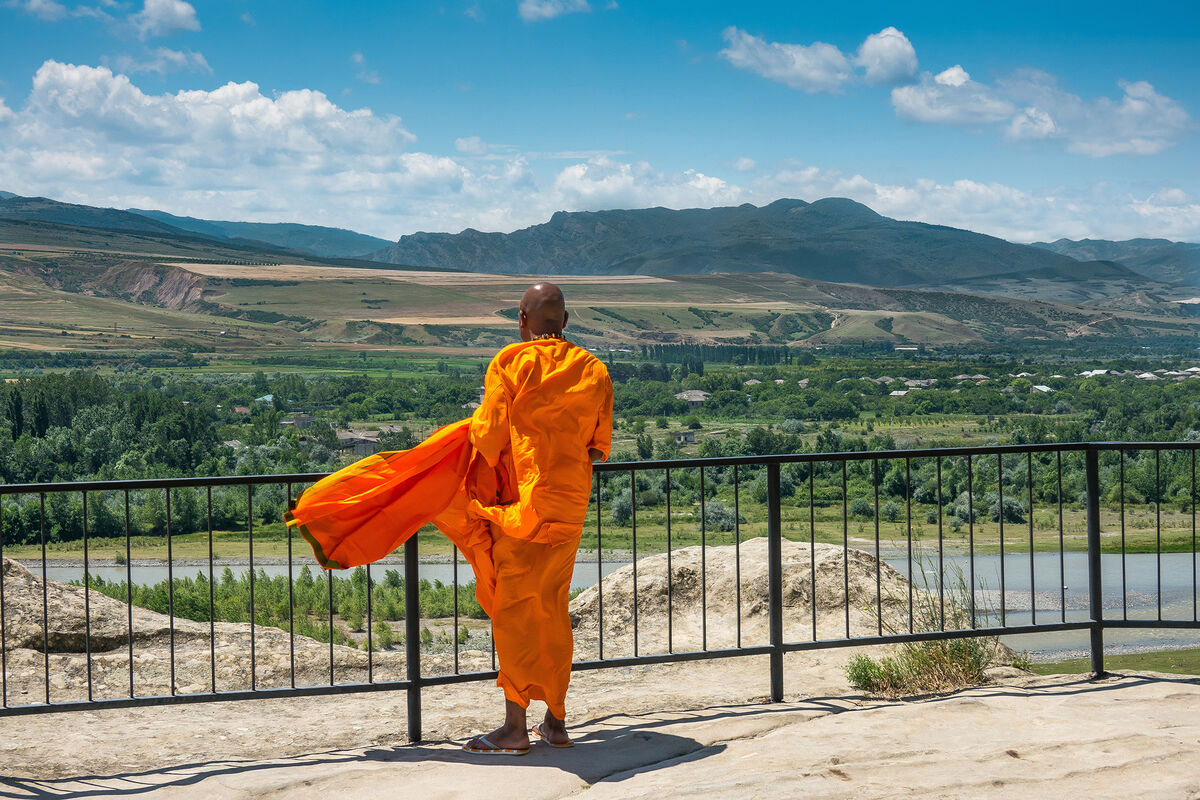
170,590
703,567
291,598
971,532
370,643
329,588
1032,575
212,612
4,610
1095,581
1194,588
878,563
1158,530
671,571
1062,556
87,607
812,548
941,553
845,550
454,562
908,511
1124,587
633,539
129,589
1003,590
45,601
250,529
599,581
737,554
412,638
775,580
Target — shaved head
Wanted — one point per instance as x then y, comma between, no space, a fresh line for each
543,310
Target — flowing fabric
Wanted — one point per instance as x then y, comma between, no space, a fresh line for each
509,487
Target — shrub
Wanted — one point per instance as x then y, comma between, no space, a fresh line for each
861,508
890,511
718,516
384,638
934,666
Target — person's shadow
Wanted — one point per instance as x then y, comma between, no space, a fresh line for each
611,747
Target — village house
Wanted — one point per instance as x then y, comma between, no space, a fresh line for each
695,397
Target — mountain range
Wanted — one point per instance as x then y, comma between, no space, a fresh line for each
834,239
315,240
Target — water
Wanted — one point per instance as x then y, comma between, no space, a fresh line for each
585,572
1060,593
1144,591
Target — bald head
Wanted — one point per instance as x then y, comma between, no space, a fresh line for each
543,310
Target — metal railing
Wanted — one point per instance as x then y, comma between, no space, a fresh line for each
808,493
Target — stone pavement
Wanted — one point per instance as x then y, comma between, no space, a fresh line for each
1027,737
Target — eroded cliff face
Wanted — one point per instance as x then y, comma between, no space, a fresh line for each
126,279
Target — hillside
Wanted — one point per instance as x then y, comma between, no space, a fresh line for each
313,239
42,209
834,239
1159,259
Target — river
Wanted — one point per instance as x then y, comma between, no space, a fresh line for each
1140,600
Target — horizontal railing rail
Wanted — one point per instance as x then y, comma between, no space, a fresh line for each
1057,526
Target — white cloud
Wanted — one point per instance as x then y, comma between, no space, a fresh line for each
744,164
42,9
365,75
248,18
471,145
162,17
818,67
538,10
87,135
1141,122
888,57
164,60
950,97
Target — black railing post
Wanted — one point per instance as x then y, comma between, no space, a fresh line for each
775,580
1095,587
412,637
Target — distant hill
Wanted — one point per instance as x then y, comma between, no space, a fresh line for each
834,239
1160,259
6,195
42,209
315,239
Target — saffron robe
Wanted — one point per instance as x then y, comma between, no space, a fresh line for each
509,487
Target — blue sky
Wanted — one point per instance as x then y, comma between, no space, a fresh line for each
1024,120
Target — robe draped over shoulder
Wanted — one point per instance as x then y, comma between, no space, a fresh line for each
519,466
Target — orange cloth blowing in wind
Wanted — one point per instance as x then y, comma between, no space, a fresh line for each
510,487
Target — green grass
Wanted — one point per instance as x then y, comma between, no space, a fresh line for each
1178,662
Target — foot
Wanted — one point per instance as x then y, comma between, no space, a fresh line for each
554,731
503,738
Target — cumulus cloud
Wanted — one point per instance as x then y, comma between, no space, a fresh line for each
163,17
164,60
950,97
888,57
744,164
87,135
42,9
1141,122
818,67
538,10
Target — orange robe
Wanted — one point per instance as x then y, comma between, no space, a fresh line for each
510,487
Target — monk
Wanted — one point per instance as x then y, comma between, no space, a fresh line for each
545,417
510,488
